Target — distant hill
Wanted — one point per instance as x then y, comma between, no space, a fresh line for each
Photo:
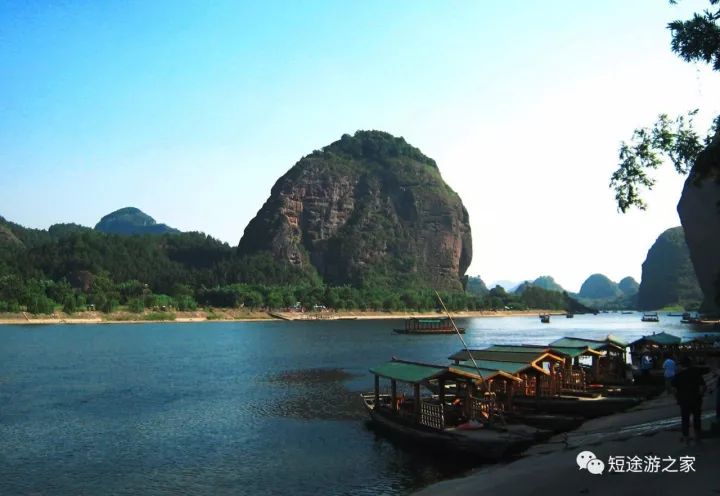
668,277
547,282
523,287
509,286
130,220
599,286
629,286
476,286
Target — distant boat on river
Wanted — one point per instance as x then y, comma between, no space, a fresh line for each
650,317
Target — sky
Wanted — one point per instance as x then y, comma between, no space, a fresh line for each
191,111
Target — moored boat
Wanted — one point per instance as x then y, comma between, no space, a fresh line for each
545,318
650,317
464,421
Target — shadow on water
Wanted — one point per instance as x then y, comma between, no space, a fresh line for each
312,394
311,376
416,466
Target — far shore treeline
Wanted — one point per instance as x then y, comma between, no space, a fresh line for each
72,268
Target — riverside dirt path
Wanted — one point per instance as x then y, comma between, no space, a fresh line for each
652,429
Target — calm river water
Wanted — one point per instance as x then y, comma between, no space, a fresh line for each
226,408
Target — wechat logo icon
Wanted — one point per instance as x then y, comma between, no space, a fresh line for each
587,460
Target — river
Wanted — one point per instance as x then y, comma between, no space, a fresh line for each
228,408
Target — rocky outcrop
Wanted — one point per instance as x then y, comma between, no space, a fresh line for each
699,210
667,274
130,220
368,209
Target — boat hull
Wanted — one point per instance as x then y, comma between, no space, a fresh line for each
486,444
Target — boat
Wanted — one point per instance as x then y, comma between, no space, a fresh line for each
569,315
545,318
458,419
429,326
627,312
688,318
650,317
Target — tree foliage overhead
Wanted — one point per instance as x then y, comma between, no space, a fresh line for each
698,39
673,139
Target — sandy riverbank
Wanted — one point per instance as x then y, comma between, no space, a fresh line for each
234,315
651,429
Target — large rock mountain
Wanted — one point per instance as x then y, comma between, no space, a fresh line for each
699,210
368,209
130,220
667,274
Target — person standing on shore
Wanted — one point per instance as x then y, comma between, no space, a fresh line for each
669,369
689,387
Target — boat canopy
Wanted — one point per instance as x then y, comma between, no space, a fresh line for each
616,340
483,374
526,356
661,339
593,344
410,372
512,368
569,351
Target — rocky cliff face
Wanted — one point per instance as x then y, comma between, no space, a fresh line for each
667,274
699,210
367,209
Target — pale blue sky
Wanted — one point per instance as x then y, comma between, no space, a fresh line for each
191,111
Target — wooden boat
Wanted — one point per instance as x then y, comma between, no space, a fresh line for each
463,422
545,318
429,326
483,440
650,317
688,318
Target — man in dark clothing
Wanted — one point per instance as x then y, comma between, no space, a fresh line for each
689,387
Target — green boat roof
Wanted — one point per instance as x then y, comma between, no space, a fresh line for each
616,340
661,338
408,372
516,354
485,374
507,367
593,344
570,351
527,356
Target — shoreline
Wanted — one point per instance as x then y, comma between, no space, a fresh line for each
239,315
651,428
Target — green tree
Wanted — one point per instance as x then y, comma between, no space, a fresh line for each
694,40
